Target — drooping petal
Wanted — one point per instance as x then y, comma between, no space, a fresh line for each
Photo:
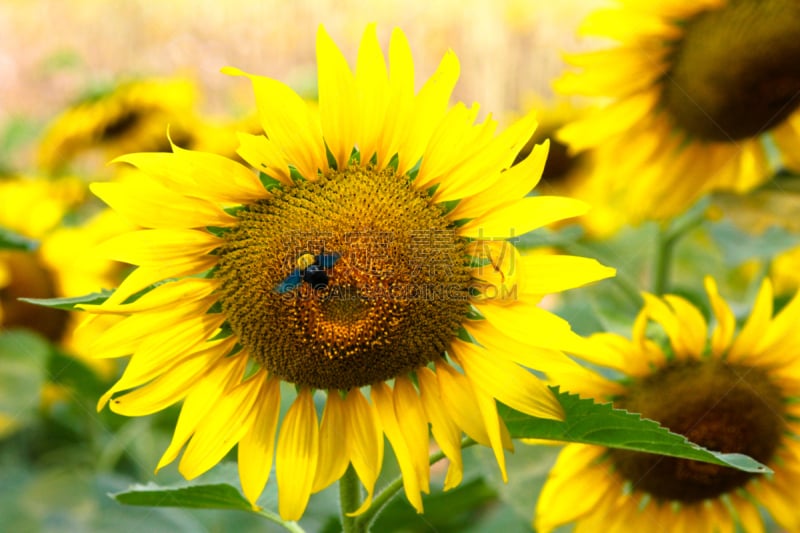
297,456
333,438
257,446
200,400
365,443
459,400
384,406
222,427
444,429
414,426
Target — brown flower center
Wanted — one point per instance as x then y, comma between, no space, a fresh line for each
29,279
342,282
727,408
736,71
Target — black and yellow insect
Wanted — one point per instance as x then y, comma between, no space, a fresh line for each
311,269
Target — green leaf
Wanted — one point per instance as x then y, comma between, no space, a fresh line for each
14,241
71,303
217,496
601,424
738,246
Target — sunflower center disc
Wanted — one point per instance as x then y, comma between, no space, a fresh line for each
727,408
29,279
386,290
736,72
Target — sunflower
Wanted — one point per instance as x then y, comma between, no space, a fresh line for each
130,116
572,174
365,263
736,393
32,208
681,116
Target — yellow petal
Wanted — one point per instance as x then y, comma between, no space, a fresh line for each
429,106
545,274
333,437
151,205
336,97
297,457
172,385
573,488
264,155
203,396
205,175
145,276
187,291
629,26
612,120
257,446
516,182
486,161
495,428
156,246
288,123
364,443
726,321
753,330
401,99
372,91
531,324
507,381
445,430
384,405
223,426
694,330
521,216
458,399
158,353
414,426
452,136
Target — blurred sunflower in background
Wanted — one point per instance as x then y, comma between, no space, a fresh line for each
365,262
134,116
687,117
727,392
59,261
571,174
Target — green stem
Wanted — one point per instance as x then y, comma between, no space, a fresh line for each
668,237
350,500
294,527
391,490
665,246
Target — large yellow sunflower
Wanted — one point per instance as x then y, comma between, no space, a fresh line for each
696,92
728,392
367,266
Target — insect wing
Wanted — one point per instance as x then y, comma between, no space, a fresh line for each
290,283
327,260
